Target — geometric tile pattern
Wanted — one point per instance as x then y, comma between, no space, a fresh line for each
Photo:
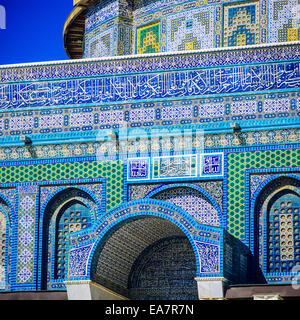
100,46
283,20
99,30
108,26
183,19
7,209
237,164
2,248
197,111
26,233
221,140
112,171
190,30
100,13
241,24
24,275
193,202
148,38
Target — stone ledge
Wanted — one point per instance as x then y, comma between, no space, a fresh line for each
248,291
34,295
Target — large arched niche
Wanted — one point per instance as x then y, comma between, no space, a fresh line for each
69,210
146,257
276,221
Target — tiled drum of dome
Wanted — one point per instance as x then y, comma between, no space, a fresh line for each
190,30
193,202
101,45
98,37
100,13
148,38
237,164
241,24
283,20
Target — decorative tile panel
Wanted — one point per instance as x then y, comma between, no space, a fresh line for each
212,165
148,38
284,20
77,261
241,24
191,30
26,234
139,169
3,235
112,171
145,115
177,166
192,202
121,89
209,257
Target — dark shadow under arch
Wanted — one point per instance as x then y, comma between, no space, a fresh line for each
164,271
117,252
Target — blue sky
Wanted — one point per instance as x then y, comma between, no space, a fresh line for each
33,30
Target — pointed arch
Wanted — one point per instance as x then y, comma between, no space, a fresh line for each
67,210
140,223
275,225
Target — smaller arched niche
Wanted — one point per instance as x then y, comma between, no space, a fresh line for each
73,216
277,226
283,231
70,210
